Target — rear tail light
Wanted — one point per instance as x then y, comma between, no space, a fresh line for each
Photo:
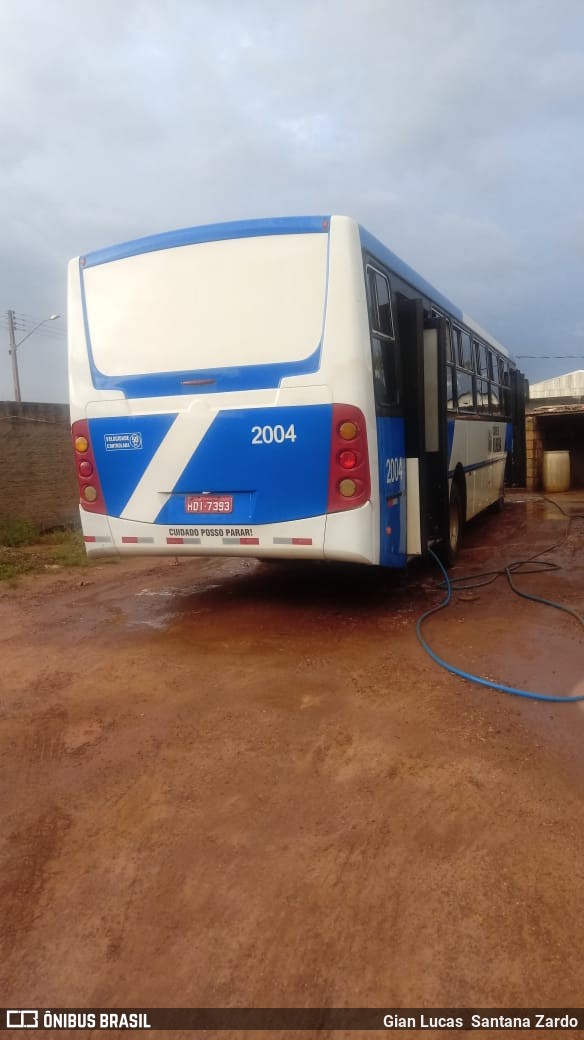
90,493
348,459
349,455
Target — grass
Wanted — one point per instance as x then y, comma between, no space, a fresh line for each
17,531
24,550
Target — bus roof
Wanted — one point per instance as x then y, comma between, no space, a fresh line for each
393,262
208,233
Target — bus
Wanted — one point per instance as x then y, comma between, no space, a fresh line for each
281,388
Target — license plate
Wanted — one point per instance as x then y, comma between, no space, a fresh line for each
208,504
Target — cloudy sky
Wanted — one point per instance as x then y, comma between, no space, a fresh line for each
453,129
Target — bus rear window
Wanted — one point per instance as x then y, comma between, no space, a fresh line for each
211,305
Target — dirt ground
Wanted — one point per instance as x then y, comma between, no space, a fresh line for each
235,783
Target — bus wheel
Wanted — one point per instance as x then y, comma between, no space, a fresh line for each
450,546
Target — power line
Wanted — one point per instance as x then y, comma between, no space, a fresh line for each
32,317
13,326
56,334
28,321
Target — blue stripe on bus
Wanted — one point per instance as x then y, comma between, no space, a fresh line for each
222,380
392,488
208,233
450,429
477,465
120,468
269,482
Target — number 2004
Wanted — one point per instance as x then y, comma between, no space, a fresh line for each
394,470
272,434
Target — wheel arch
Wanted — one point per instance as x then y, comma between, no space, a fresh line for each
459,479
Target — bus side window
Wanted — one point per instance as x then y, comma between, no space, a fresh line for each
494,391
475,356
385,325
464,384
483,368
386,375
466,359
450,387
482,382
450,371
464,376
505,391
455,346
495,399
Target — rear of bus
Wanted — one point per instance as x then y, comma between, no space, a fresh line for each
221,393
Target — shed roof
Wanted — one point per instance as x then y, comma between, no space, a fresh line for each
569,385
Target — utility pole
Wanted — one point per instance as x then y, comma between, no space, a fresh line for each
12,352
14,347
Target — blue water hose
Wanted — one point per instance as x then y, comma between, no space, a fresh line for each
491,576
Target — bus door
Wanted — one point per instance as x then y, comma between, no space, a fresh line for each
515,470
423,345
388,390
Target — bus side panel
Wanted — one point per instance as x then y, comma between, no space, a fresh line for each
392,492
346,371
478,447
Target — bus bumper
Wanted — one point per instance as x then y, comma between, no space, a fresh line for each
336,536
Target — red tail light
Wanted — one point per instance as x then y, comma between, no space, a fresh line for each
349,480
90,493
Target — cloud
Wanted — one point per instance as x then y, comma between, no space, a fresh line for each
452,130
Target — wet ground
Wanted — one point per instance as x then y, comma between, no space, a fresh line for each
235,783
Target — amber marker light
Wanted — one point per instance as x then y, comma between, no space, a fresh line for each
348,430
81,445
347,487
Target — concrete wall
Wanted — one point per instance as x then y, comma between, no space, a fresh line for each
37,473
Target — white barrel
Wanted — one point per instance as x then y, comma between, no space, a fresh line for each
556,470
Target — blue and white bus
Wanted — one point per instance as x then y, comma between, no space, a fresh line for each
280,388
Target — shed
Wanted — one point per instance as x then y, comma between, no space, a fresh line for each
554,421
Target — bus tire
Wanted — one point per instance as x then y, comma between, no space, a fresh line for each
451,545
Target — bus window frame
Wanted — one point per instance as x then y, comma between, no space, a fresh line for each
467,365
388,406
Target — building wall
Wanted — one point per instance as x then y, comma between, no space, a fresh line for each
570,386
534,451
37,473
